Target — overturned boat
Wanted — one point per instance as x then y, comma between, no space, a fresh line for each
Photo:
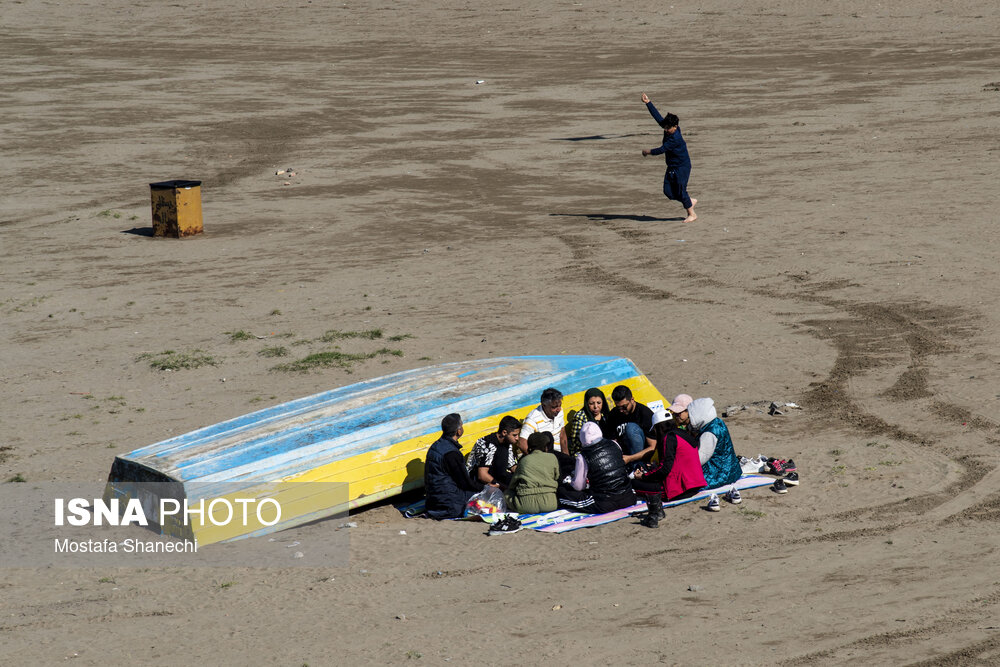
340,449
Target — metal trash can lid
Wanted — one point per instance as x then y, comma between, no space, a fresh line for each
172,185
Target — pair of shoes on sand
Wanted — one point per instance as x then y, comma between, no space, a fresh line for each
733,495
504,525
781,485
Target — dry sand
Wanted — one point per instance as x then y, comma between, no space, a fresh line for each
845,258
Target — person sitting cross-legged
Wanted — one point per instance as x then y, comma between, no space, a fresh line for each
494,457
715,446
533,486
447,483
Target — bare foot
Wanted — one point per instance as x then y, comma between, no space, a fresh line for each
691,218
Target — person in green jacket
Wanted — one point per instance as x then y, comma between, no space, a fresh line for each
532,489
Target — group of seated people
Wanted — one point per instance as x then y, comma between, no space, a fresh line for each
597,462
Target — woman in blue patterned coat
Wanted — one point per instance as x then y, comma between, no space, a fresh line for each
715,446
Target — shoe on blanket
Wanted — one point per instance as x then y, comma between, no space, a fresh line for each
791,479
779,486
713,504
504,525
733,496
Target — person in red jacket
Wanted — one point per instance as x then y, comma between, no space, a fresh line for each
676,475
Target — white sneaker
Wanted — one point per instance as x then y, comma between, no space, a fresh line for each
758,464
733,496
713,504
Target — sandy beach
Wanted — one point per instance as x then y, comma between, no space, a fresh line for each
846,163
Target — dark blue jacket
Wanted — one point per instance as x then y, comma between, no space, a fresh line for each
674,149
446,480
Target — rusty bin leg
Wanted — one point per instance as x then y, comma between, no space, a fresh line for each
176,208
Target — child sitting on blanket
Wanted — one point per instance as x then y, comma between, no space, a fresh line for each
533,486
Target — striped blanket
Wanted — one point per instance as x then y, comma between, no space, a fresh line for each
562,521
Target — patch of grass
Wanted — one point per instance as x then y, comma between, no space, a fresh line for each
130,303
334,359
275,312
399,337
109,213
227,584
888,462
106,580
424,359
240,335
17,478
30,303
876,443
414,655
838,470
333,334
751,514
170,360
278,351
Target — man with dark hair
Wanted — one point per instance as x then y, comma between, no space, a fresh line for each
546,418
447,483
494,457
631,423
674,149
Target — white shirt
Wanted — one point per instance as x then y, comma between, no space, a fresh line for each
537,422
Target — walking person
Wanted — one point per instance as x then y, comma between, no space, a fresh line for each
675,151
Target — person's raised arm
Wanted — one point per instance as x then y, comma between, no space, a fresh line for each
652,109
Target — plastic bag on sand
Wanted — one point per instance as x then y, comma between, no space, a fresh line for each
488,501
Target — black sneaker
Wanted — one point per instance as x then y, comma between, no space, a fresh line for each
779,486
791,479
505,525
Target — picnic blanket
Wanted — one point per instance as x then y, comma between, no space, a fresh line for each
562,521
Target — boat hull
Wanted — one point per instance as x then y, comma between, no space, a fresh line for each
362,443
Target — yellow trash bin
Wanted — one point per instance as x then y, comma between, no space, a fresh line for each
176,208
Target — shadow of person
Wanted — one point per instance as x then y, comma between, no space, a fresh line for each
594,137
616,216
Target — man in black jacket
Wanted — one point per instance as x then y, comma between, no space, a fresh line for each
447,483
